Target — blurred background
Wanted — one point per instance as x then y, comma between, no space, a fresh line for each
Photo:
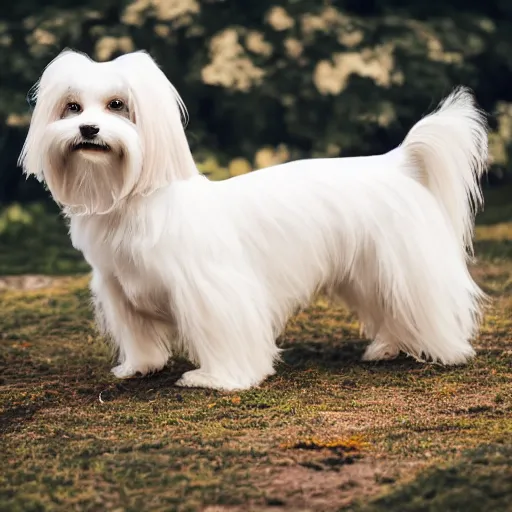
265,81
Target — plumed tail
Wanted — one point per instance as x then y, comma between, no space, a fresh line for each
447,151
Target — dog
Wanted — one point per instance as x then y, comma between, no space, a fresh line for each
213,270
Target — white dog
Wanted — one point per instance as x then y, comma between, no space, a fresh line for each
213,270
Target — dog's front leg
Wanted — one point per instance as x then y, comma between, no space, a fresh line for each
227,324
142,341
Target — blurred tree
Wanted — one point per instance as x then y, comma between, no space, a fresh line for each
268,80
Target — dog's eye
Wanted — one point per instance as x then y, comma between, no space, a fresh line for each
116,105
74,107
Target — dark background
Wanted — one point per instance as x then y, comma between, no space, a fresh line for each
267,81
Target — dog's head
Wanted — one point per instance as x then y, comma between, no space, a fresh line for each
103,131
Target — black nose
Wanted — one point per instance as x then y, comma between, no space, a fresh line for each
89,131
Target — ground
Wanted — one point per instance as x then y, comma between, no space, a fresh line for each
326,433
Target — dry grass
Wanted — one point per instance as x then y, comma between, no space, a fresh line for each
328,432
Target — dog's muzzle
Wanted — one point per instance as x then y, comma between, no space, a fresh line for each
90,146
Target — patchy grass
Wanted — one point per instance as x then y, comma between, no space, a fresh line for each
327,432
478,480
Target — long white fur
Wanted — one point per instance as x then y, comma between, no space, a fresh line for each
213,270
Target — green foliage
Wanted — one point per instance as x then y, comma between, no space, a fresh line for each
34,239
321,78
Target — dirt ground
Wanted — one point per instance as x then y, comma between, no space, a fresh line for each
326,433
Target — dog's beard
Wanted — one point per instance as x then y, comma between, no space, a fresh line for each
88,180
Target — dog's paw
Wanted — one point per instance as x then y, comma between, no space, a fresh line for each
380,351
124,371
127,371
201,379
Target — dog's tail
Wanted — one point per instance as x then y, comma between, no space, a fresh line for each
447,151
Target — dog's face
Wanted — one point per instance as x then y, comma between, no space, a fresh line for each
103,131
92,153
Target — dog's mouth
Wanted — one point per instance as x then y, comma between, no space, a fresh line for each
91,146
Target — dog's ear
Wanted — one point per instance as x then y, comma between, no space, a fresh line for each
159,114
46,96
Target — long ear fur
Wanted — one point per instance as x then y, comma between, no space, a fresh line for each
47,94
158,110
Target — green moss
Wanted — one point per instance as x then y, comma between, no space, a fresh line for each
478,480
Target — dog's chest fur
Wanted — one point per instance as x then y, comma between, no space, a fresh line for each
123,251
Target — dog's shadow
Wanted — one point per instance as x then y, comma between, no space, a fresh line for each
342,357
327,354
69,383
83,384
336,358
